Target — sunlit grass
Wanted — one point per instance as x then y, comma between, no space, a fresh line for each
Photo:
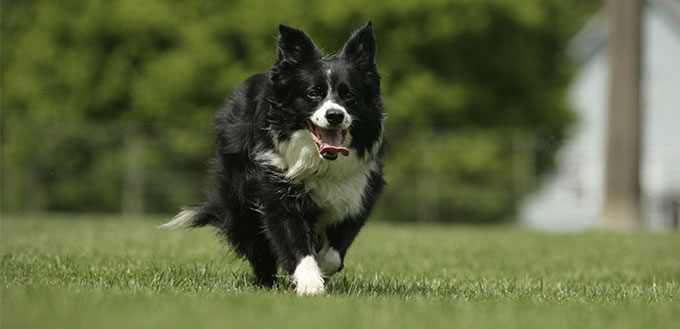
94,271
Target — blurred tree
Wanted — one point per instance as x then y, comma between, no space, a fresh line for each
80,77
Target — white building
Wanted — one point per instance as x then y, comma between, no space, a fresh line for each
571,198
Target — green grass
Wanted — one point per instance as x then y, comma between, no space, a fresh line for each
108,272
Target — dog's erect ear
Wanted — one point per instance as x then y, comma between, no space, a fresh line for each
295,46
360,48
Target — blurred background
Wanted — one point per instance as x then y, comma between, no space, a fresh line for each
496,109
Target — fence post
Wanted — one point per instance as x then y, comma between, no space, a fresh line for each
132,198
524,171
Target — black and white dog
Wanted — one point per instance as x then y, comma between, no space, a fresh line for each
299,160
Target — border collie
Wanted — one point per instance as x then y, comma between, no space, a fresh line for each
299,161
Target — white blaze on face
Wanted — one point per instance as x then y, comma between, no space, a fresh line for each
329,125
319,116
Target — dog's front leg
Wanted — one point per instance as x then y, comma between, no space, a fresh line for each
289,219
339,238
307,277
293,241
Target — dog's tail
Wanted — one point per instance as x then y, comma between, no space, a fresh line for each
195,215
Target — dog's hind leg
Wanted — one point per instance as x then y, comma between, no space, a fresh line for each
250,241
262,260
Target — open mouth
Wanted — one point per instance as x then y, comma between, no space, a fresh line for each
329,141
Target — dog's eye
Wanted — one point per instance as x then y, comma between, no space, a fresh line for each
314,94
346,92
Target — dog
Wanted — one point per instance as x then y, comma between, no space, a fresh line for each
299,160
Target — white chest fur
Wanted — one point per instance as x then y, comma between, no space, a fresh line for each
337,186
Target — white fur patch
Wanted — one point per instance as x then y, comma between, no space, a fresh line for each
272,158
319,116
307,277
301,154
335,186
329,261
183,219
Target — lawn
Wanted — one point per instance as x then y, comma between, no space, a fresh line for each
111,272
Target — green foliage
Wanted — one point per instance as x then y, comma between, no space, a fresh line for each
467,176
86,272
82,81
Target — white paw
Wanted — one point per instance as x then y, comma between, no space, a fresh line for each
329,261
307,277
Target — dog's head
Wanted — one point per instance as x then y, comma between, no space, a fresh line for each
332,97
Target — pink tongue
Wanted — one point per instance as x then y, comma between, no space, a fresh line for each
332,141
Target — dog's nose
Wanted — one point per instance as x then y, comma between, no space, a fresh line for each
335,116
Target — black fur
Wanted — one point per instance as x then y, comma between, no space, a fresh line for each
268,216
